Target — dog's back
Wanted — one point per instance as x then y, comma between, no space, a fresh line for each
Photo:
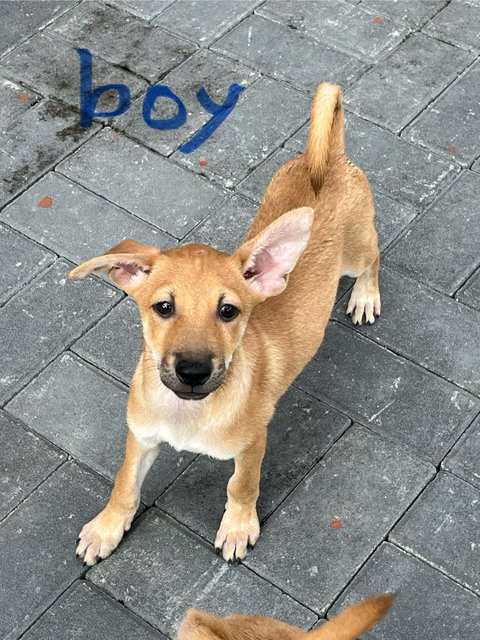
343,239
348,625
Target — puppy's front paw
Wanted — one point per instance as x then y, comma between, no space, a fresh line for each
102,535
362,305
238,530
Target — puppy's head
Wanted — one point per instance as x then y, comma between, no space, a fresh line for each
348,625
195,301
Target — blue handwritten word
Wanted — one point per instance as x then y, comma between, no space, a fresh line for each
89,98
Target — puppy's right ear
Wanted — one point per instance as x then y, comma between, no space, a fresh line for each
350,624
200,625
128,264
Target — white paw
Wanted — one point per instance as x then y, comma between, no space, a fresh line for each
101,536
239,530
362,306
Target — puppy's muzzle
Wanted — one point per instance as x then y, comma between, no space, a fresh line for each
192,378
193,373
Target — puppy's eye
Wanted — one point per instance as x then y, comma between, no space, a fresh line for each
164,308
228,312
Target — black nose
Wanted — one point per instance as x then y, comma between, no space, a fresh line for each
193,372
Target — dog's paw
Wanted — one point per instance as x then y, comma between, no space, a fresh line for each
101,536
363,305
238,531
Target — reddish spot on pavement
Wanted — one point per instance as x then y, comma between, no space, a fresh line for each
336,524
203,163
378,20
24,96
45,202
452,149
116,135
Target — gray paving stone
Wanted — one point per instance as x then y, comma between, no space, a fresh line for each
446,339
38,323
22,19
281,53
100,345
464,459
204,69
413,12
458,23
204,22
396,90
454,222
476,166
391,218
20,261
33,144
25,461
121,39
142,9
142,182
52,68
158,552
362,484
267,113
389,394
83,411
39,538
14,101
300,433
470,292
458,105
429,605
256,183
226,228
394,167
87,613
442,528
349,28
78,224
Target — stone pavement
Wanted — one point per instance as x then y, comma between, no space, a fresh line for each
372,477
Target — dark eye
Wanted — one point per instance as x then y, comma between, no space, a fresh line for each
164,308
228,312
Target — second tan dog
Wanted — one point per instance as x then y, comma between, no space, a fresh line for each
350,624
225,335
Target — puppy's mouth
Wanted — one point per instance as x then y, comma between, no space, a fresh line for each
191,395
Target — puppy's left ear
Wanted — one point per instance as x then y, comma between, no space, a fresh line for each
128,264
267,259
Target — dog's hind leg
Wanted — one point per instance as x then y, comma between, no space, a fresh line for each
364,300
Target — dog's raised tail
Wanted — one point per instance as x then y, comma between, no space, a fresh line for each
325,135
350,624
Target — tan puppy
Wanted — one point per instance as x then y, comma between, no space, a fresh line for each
350,624
224,336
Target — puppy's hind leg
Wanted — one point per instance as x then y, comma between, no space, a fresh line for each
365,298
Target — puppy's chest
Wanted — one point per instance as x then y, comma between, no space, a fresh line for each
187,433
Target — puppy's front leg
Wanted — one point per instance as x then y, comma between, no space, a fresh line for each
240,527
102,535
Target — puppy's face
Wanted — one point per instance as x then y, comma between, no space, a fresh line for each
195,301
195,306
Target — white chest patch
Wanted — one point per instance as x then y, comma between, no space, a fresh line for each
184,425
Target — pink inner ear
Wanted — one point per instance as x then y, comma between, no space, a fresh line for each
275,257
128,272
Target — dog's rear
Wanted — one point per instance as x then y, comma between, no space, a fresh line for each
348,625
